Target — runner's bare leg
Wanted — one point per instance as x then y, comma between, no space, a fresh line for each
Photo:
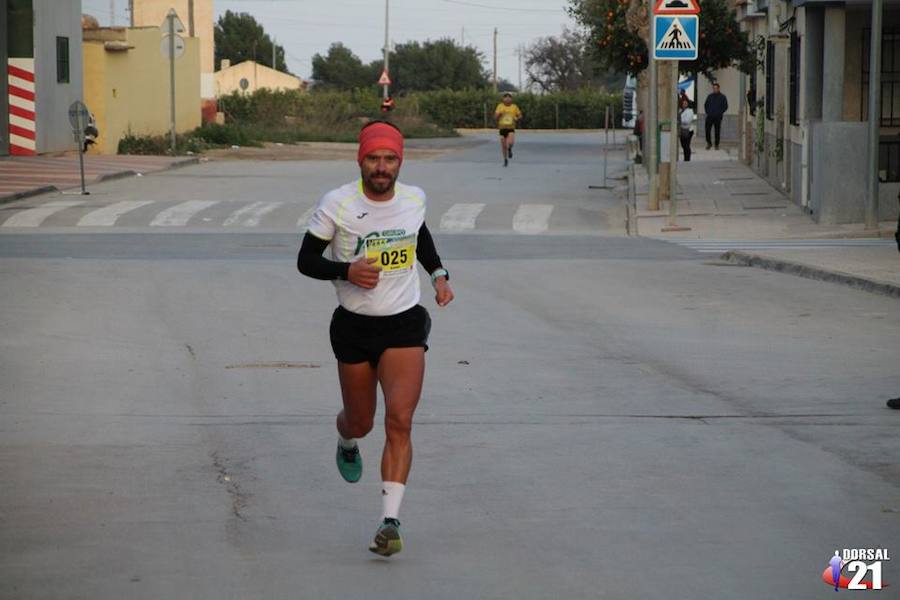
358,389
401,371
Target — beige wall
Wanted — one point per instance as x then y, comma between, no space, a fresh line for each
128,90
258,76
152,13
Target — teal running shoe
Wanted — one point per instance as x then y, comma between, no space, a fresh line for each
349,463
387,539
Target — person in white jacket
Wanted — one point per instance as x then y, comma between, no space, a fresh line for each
686,118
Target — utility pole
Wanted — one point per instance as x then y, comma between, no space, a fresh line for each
131,12
495,60
673,143
462,37
170,22
387,45
191,18
519,52
112,13
651,124
874,116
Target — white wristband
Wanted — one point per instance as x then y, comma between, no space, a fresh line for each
439,273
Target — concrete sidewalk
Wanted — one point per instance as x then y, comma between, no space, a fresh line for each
24,176
722,200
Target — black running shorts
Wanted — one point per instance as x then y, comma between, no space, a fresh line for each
359,338
506,132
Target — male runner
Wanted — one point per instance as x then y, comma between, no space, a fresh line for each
379,332
507,116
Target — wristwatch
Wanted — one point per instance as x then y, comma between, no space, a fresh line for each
439,273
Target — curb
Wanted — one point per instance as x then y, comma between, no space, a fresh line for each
28,193
801,270
46,189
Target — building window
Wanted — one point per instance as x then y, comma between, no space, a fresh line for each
890,77
62,59
795,79
770,80
889,160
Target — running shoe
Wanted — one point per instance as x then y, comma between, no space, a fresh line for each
510,152
387,539
505,161
349,463
893,403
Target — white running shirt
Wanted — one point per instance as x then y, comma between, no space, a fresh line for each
357,226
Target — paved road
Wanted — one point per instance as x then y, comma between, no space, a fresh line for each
544,190
603,418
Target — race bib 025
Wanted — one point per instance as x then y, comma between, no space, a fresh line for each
395,256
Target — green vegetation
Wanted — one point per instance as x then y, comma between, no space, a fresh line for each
292,116
238,37
617,29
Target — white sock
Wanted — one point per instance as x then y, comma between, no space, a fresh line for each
346,444
391,497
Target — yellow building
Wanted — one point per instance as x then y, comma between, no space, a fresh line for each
197,17
257,76
126,84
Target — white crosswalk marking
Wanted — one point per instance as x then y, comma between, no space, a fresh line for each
721,246
460,217
304,218
532,218
250,215
33,217
108,215
180,214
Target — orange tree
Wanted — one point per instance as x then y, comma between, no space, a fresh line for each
618,27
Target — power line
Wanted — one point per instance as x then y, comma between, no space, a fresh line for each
505,8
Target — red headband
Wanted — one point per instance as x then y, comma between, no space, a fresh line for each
379,136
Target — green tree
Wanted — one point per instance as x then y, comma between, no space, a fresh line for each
238,37
618,30
341,69
434,65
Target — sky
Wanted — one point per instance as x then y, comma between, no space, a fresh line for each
307,27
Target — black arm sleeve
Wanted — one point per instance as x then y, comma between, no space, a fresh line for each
426,252
311,263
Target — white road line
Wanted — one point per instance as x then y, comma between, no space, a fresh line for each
108,215
532,218
180,214
250,215
304,218
33,217
460,217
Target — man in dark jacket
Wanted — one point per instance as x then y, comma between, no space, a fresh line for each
716,106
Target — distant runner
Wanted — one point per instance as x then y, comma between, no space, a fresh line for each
375,227
507,116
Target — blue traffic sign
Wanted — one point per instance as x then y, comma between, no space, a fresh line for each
675,37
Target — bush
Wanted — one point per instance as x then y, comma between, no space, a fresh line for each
160,144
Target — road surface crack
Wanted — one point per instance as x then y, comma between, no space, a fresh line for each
239,498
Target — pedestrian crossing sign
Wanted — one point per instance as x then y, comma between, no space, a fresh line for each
676,7
675,37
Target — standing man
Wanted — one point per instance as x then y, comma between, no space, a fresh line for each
376,229
716,106
507,116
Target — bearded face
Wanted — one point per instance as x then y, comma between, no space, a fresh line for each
380,169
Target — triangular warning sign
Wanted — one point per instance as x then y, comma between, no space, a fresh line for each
675,38
676,7
384,79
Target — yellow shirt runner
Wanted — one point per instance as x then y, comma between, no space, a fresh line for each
507,115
